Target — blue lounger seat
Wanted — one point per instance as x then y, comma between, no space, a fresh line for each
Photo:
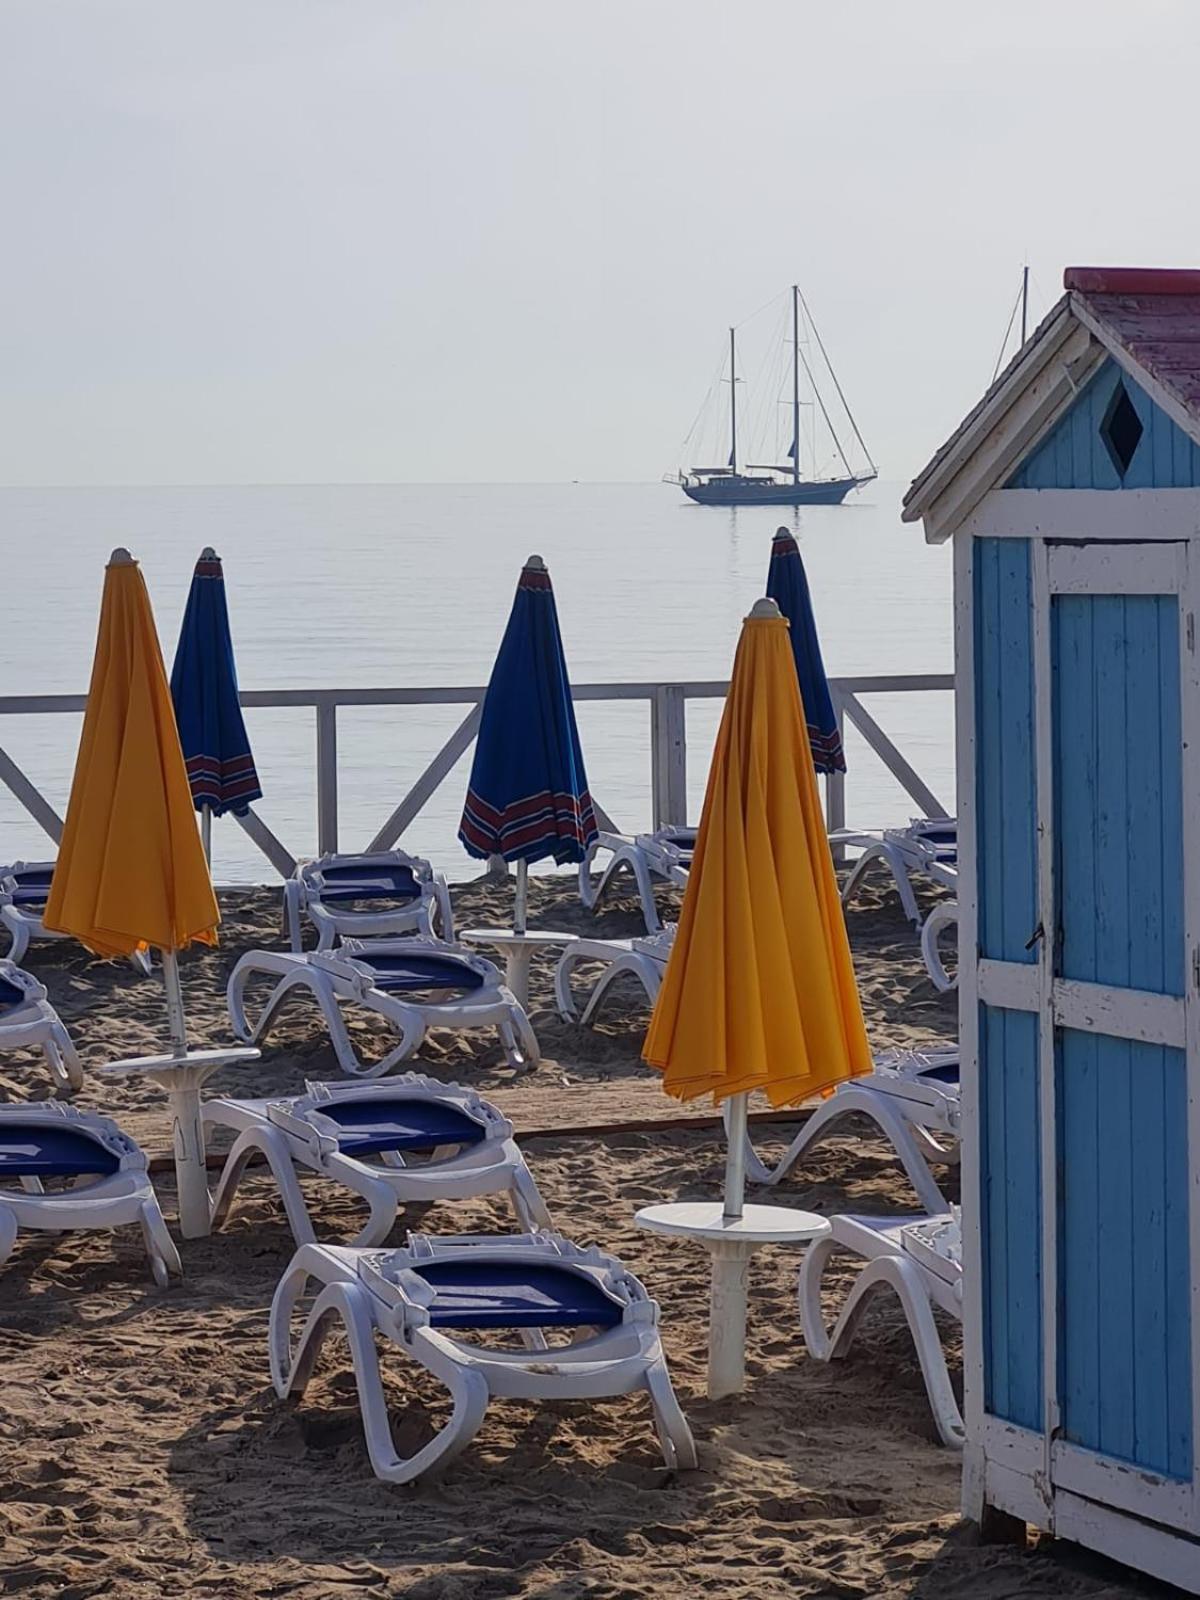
427,1299
410,1139
104,1177
377,895
413,984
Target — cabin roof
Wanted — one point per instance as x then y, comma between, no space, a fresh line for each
1146,318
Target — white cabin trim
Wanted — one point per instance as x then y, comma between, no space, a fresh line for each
1112,568
1172,1557
1009,425
974,1480
1133,1014
1011,985
1126,515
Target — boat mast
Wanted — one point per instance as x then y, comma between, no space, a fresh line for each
1024,302
733,400
795,384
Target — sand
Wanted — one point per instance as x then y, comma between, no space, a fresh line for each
143,1453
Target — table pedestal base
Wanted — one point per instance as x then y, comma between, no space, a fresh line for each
731,1241
183,1077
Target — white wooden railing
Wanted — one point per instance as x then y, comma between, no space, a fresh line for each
668,750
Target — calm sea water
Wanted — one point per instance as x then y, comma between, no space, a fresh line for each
362,586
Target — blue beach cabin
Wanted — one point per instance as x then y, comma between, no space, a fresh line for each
1072,495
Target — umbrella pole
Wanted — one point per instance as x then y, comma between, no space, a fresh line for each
187,1133
730,1269
521,898
206,833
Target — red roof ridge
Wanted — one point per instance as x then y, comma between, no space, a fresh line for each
1133,280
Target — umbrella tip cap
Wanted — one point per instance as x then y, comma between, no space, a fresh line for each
764,610
536,564
121,558
209,554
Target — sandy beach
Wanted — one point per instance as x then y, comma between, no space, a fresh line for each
143,1453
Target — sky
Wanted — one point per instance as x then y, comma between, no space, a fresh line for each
272,241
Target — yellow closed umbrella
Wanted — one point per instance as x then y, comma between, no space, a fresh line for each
759,992
131,870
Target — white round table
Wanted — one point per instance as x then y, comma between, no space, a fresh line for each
731,1241
518,949
183,1077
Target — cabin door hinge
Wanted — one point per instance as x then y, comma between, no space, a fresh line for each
1191,632
1196,966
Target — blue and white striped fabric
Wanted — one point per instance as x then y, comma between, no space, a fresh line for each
528,795
220,766
787,585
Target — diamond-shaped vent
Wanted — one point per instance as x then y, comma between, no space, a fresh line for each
1121,430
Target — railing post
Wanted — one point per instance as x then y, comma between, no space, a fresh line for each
835,790
327,777
668,755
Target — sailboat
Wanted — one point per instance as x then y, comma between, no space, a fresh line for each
738,484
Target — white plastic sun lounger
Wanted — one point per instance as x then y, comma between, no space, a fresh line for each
429,1299
103,1175
29,1022
412,984
643,959
24,888
928,846
920,1260
912,1097
371,1138
664,857
357,896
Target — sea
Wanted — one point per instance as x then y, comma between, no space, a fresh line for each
385,585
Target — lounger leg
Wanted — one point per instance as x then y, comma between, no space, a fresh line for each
468,1388
603,984
291,917
19,932
674,1435
645,888
274,1147
381,1198
940,917
63,1059
527,1202
520,1042
812,1315
8,1233
872,852
904,1279
894,1127
160,1247
563,998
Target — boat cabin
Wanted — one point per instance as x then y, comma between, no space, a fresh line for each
1072,495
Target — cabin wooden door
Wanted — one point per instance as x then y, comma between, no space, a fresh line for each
1118,963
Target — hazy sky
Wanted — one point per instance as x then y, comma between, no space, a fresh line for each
424,240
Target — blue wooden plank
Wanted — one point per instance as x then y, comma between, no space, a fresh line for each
1152,1380
1118,797
1078,1240
1017,822
1177,1274
1125,1334
1074,714
1107,821
1011,1189
1114,1228
995,1219
987,734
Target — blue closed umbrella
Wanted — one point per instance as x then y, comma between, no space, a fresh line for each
788,587
220,766
528,796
